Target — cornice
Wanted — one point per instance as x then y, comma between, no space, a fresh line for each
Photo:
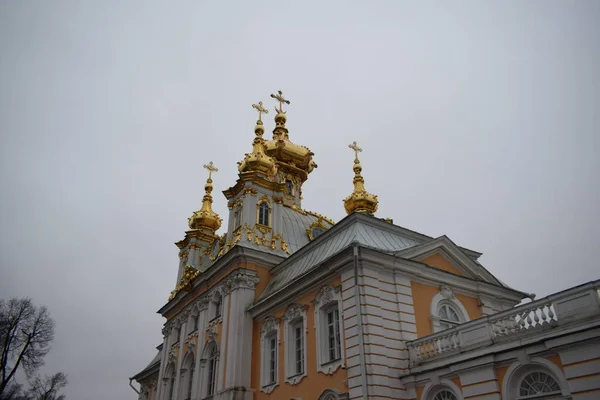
236,255
427,274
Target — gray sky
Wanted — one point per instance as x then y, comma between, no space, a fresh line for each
479,120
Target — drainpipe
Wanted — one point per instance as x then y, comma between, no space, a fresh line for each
133,387
361,344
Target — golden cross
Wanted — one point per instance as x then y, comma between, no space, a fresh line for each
211,168
260,109
279,97
354,146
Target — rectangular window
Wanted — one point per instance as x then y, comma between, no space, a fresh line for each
196,318
237,218
272,359
298,349
333,334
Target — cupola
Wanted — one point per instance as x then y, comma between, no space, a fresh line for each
360,200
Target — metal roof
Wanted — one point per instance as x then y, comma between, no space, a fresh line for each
365,231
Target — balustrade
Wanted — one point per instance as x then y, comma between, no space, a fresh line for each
522,320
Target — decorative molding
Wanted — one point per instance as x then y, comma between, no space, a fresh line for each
446,292
294,311
327,297
212,333
240,280
269,327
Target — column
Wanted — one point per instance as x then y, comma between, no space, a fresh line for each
163,362
239,352
182,335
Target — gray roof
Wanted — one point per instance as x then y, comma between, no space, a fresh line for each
150,367
356,228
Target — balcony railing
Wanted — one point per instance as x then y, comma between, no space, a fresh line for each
528,319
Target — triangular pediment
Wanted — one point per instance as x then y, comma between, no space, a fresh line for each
442,253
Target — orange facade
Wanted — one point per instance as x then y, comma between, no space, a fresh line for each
315,382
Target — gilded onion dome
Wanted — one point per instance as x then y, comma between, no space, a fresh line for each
258,160
360,200
206,219
297,159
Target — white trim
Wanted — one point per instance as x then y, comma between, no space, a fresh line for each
294,315
327,297
432,388
517,371
270,328
446,295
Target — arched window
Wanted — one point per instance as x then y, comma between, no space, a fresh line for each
264,212
445,394
212,361
190,384
187,376
289,187
444,390
540,378
538,385
446,310
449,316
170,381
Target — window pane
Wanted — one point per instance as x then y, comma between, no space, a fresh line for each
299,349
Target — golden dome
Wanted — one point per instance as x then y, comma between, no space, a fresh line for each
297,158
258,160
206,219
360,200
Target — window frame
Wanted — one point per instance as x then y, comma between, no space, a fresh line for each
260,212
237,218
210,362
446,296
515,374
269,334
544,395
295,317
328,298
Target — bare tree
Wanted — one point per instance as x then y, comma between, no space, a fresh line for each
47,388
25,336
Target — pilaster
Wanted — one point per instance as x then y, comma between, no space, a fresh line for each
202,324
239,352
182,334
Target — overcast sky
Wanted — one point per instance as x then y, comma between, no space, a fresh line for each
479,120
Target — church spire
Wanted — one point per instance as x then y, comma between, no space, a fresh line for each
206,219
360,200
280,131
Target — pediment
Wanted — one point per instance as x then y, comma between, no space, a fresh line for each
443,254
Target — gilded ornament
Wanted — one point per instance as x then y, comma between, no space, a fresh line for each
360,200
205,219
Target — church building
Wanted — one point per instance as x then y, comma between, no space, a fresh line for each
289,304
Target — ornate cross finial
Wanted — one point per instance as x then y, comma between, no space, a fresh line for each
211,168
260,109
279,97
354,146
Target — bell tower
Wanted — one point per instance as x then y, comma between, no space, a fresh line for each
270,178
